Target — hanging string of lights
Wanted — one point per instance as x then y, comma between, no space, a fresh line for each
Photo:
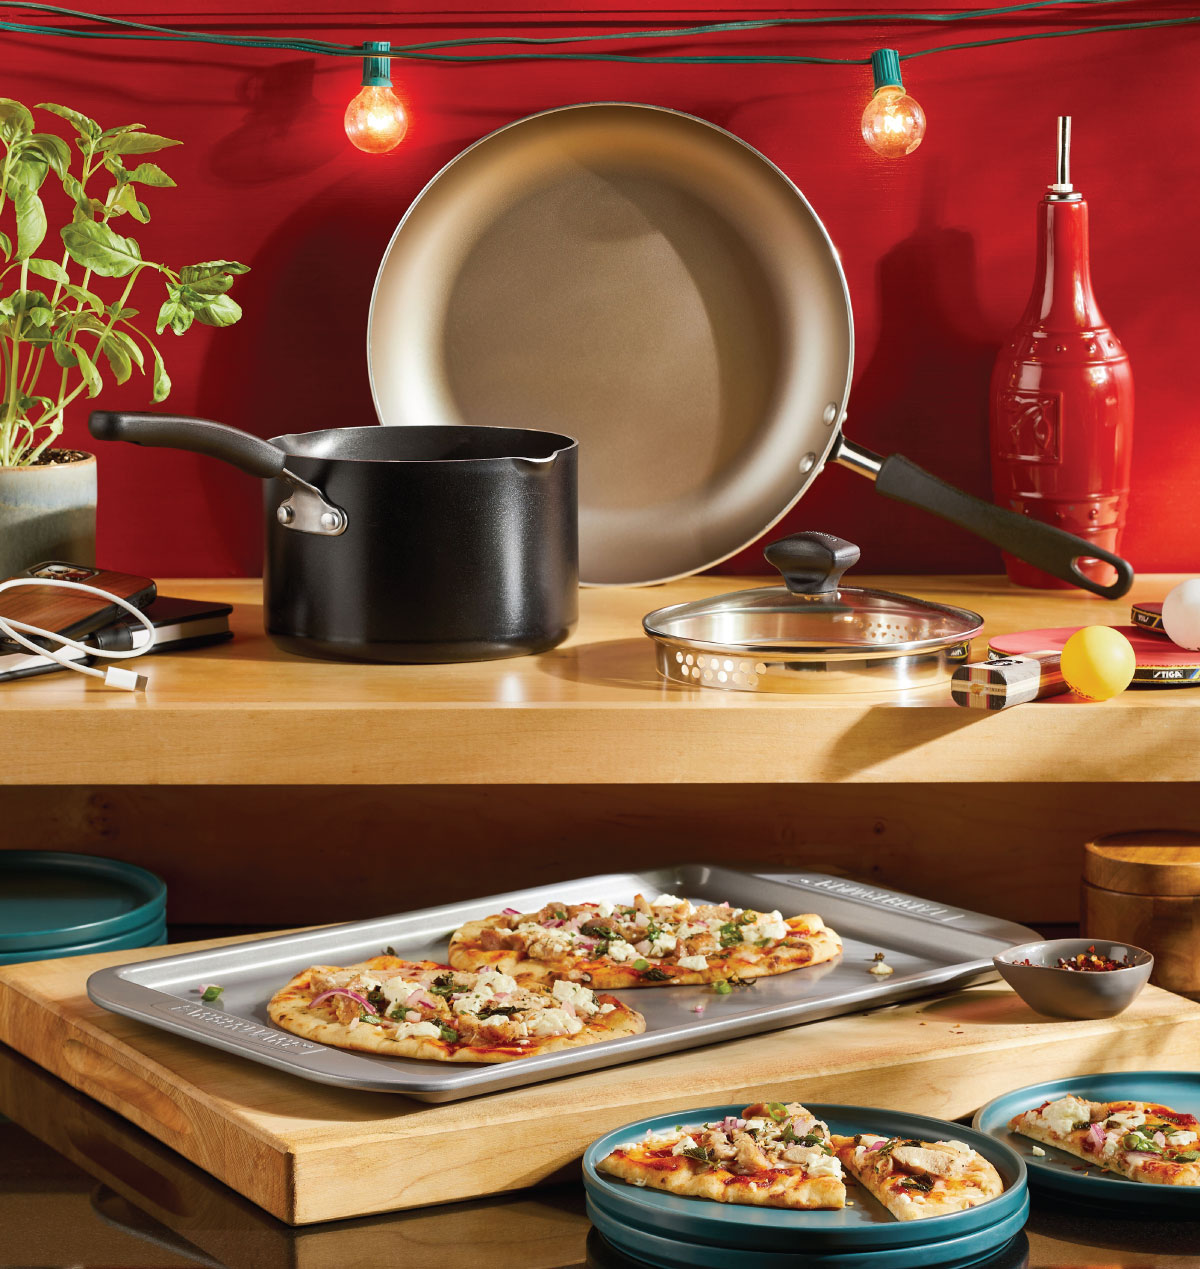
893,123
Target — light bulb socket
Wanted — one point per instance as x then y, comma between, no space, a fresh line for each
377,70
885,66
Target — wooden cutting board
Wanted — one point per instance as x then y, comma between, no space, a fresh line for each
307,1152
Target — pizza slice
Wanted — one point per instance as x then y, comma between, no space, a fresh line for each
918,1179
420,1009
772,1155
666,943
1143,1141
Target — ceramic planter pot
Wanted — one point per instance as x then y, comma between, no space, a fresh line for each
47,512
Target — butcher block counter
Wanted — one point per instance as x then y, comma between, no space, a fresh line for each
592,711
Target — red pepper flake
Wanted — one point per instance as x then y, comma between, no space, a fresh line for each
1090,961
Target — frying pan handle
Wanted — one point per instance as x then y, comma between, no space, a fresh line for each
249,453
1052,550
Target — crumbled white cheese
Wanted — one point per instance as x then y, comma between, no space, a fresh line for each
493,981
663,943
418,1029
769,925
960,1146
576,994
554,1022
557,941
1180,1136
816,1162
396,990
1124,1120
693,962
1037,1150
607,1008
619,950
667,901
688,928
685,1143
1062,1115
881,969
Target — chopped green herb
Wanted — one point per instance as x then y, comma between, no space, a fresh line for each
764,942
777,1111
372,1018
376,997
505,1011
722,988
640,963
594,931
398,1013
730,935
389,951
448,1033
815,1139
748,917
922,1183
1187,1156
445,986
655,974
699,1153
1083,1124
211,993
558,912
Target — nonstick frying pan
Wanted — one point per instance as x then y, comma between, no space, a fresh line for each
657,288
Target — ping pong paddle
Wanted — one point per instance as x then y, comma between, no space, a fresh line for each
1160,663
1148,617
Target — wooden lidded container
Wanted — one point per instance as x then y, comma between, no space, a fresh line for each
1144,888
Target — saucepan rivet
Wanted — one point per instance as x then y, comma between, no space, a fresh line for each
284,514
830,414
807,463
330,521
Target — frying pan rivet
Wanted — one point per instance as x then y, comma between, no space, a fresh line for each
830,414
285,514
807,463
679,657
760,668
330,520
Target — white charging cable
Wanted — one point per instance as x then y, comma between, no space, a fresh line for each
112,675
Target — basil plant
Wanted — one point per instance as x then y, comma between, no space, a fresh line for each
64,326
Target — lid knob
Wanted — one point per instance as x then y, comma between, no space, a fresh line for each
812,563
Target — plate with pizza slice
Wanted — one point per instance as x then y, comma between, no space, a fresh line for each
829,1179
1125,1137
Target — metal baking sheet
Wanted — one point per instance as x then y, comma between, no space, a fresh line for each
932,947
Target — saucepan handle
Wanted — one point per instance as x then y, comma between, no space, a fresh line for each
304,510
249,453
1052,550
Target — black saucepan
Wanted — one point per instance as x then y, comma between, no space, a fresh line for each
406,544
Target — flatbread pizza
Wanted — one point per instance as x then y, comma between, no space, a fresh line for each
772,1155
1143,1141
918,1179
420,1009
669,942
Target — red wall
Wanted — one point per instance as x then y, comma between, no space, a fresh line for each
937,248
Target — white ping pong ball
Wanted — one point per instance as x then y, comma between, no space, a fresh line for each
1181,614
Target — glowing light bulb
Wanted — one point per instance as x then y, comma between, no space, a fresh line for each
893,124
376,120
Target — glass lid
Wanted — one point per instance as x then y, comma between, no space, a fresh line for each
812,615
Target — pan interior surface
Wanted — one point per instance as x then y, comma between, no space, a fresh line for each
644,282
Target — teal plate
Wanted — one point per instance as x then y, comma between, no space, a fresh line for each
679,1253
49,899
1066,1175
865,1225
151,935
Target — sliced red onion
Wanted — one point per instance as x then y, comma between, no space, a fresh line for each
510,911
876,1145
342,991
730,1123
643,948
1096,1136
412,1015
587,944
553,925
568,1007
1139,1154
1159,1139
642,919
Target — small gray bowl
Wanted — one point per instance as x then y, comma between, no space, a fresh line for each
1071,993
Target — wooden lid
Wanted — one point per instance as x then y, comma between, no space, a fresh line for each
1162,861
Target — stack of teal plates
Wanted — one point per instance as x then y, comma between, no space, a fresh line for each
671,1232
54,905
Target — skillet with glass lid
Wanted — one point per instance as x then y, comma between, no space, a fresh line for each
811,634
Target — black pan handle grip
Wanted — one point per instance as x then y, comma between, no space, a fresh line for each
1052,550
251,454
812,563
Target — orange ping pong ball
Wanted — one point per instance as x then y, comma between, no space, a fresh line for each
1098,662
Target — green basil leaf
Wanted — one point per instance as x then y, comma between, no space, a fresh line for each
135,143
124,199
91,376
97,247
48,269
118,356
27,173
75,190
15,120
87,128
218,284
31,223
60,346
218,311
86,298
56,151
150,174
6,244
206,269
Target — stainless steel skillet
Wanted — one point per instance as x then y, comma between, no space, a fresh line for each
657,288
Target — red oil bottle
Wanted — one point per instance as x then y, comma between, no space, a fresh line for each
1062,393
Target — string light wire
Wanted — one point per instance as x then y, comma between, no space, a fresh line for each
434,50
